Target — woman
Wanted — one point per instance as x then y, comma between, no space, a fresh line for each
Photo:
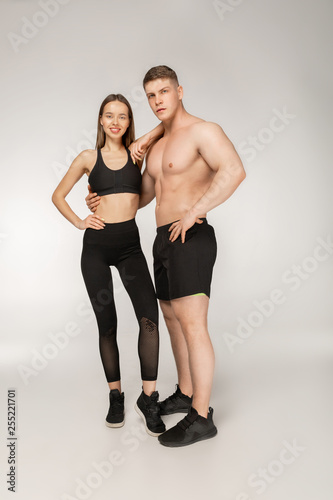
111,238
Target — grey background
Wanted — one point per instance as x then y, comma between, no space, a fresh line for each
241,63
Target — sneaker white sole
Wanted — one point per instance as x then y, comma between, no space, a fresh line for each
139,412
119,424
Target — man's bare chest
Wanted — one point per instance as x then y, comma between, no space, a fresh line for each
172,157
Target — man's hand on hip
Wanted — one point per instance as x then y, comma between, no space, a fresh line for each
181,226
92,200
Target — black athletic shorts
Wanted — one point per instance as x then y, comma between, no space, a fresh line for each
182,269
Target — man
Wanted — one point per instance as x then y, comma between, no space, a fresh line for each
191,169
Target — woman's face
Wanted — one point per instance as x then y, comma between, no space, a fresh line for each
115,119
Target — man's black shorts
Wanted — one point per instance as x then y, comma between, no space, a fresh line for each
182,269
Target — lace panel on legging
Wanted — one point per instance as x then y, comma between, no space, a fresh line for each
148,347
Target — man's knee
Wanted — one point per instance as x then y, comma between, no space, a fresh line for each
192,323
167,311
193,328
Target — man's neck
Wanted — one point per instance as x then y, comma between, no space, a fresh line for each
179,120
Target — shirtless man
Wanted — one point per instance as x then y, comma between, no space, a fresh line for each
192,169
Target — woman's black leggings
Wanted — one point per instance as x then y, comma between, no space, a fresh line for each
118,245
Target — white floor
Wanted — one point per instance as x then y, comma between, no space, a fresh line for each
272,406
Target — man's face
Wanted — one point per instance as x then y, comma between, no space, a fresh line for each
164,97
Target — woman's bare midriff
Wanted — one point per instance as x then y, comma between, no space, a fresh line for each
118,207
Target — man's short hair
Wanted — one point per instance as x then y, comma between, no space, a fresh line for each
160,72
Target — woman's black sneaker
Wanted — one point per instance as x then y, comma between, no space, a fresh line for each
148,409
116,417
191,429
176,403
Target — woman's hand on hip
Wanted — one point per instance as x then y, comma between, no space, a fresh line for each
93,221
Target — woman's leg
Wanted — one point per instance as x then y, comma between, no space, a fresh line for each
136,278
98,280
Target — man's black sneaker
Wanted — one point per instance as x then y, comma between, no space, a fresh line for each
191,429
176,403
148,409
115,417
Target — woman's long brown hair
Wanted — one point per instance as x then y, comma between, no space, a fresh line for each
129,135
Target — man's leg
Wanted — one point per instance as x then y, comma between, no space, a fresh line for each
191,313
179,348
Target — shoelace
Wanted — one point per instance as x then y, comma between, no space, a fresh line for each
116,405
153,408
172,397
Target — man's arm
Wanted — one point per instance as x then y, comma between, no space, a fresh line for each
92,200
220,155
147,189
140,147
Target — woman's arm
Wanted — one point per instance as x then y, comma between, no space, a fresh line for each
77,169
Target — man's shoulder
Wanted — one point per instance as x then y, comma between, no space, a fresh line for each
203,125
204,131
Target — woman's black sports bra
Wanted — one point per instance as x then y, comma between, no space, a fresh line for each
103,180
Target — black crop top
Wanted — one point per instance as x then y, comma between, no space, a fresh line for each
103,180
